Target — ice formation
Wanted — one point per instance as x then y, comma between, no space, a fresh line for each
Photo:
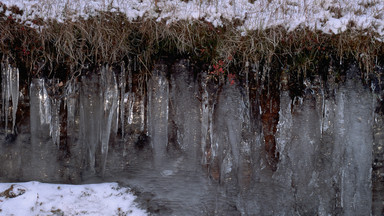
98,105
10,91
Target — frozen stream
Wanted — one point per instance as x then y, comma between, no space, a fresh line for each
188,147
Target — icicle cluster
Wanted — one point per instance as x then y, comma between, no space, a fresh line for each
10,91
99,103
49,109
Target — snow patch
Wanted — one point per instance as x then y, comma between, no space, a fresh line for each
325,15
35,198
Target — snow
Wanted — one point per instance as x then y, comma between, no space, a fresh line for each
35,198
329,16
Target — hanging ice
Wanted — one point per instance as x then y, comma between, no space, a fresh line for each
71,103
90,114
122,85
157,113
54,127
110,102
205,118
14,82
49,109
10,91
45,103
131,102
142,114
98,106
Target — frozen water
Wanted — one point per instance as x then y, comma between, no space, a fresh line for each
130,96
72,103
122,85
205,143
157,113
14,89
354,129
206,117
98,106
10,91
42,153
110,104
184,112
54,126
91,116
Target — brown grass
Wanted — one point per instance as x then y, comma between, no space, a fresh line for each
109,38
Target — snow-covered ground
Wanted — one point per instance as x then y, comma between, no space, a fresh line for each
34,198
329,16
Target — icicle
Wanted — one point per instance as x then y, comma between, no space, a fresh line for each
5,93
55,121
110,103
204,122
3,89
116,117
149,111
122,86
71,102
49,111
48,108
142,114
10,91
45,104
131,103
322,112
90,116
158,108
129,78
246,100
14,87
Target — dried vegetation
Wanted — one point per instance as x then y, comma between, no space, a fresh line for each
63,50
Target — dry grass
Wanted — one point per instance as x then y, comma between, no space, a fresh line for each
110,38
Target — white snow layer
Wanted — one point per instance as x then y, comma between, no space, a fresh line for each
329,16
34,198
